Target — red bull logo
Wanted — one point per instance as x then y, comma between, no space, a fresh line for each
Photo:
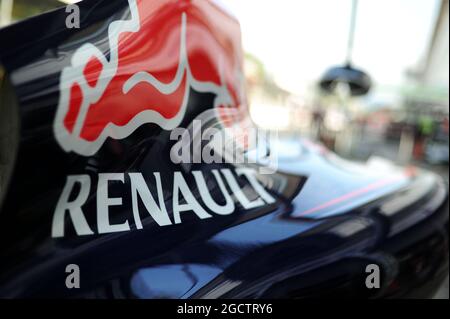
156,55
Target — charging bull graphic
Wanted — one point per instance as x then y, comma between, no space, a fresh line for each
155,57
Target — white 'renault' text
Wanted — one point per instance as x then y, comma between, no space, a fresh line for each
77,190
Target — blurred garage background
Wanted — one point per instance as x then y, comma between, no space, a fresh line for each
365,78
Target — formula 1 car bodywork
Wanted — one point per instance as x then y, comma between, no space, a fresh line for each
88,179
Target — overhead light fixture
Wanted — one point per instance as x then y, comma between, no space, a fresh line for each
69,1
